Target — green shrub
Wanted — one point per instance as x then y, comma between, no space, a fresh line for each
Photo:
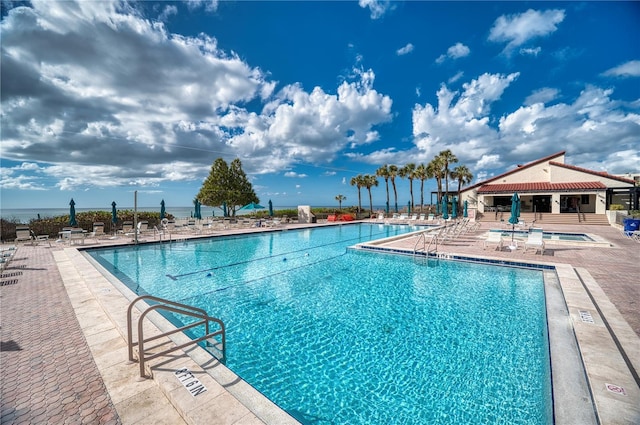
52,225
616,207
635,213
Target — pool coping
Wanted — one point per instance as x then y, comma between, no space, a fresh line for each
590,348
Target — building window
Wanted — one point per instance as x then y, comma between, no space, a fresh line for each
584,199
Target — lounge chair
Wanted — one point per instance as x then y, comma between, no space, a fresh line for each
98,230
534,241
127,227
23,234
494,239
77,235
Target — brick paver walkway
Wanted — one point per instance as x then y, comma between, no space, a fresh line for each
48,373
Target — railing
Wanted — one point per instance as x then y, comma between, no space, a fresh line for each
425,248
174,307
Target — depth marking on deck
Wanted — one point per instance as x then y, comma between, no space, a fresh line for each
586,317
190,382
616,389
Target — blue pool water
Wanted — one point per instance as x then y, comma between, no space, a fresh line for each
347,337
581,237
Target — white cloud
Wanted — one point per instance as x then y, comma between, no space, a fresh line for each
456,51
543,95
405,50
516,30
293,174
105,63
627,69
462,121
531,51
377,7
167,12
455,77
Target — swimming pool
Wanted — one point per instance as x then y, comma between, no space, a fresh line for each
561,236
337,336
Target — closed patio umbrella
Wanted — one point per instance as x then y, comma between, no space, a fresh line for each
114,216
515,213
224,209
270,208
465,213
445,209
196,213
162,210
454,208
72,214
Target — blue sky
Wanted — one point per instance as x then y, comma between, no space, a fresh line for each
101,99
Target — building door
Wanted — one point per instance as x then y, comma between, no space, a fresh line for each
542,204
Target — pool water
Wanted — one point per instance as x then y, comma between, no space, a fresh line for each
339,336
580,237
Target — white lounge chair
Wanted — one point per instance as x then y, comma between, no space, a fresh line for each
494,239
77,235
23,234
534,241
98,230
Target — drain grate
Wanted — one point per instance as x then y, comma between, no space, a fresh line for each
10,274
8,282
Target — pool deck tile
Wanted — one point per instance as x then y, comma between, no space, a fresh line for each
64,356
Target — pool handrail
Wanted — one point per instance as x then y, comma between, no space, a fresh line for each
174,307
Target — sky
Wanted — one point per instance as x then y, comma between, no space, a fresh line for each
101,99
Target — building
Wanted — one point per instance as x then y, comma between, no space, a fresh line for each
549,186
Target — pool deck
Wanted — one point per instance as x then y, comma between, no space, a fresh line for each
64,359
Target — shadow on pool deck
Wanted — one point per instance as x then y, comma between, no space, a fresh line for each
57,337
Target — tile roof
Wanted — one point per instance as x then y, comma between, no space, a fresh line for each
596,173
540,187
518,168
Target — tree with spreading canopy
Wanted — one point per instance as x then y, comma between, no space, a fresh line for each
227,184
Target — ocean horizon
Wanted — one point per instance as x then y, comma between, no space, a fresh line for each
25,215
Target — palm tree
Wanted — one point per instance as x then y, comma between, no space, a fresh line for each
357,181
369,181
463,175
447,158
436,169
422,175
408,171
340,198
393,172
384,173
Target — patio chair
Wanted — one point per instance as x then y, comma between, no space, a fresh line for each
534,241
494,239
77,235
23,234
127,227
98,230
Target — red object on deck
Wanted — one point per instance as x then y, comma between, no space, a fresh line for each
331,218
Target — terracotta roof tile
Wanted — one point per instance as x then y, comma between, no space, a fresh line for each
540,187
596,173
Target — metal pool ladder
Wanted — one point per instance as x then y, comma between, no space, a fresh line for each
172,306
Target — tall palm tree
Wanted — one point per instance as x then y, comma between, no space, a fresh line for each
447,158
393,173
357,181
463,175
422,175
408,171
436,169
340,198
369,180
384,173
